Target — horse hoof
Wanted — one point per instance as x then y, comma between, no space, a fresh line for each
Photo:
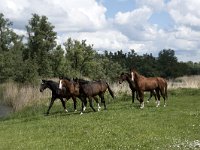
75,110
81,113
66,110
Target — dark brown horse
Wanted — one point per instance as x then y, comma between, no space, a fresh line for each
127,77
53,86
148,84
94,88
86,90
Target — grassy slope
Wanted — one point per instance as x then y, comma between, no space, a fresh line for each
122,126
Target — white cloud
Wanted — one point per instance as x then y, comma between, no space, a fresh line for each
136,17
185,12
86,19
76,15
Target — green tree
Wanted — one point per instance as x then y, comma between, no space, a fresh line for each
79,55
41,42
168,63
11,48
58,63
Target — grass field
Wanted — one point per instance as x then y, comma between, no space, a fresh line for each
122,126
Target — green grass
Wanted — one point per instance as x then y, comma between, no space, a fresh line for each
122,126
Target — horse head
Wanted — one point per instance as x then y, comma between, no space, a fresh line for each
43,85
121,78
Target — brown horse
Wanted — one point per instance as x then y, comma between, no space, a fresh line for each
148,84
89,89
86,90
127,77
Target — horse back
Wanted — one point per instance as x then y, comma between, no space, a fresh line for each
147,84
93,88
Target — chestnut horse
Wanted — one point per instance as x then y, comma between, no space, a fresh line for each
127,77
53,86
148,84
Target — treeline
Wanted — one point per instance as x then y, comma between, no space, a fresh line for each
37,55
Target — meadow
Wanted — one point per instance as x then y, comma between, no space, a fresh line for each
122,126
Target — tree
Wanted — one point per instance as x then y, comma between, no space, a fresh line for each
79,55
11,48
168,63
41,42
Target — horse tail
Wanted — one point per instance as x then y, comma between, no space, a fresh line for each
110,91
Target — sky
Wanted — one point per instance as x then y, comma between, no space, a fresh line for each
147,26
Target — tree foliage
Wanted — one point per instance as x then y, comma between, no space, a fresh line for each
39,56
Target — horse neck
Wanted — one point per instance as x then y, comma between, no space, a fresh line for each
130,82
67,83
137,77
52,86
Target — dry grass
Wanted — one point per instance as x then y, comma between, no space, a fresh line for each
185,82
21,96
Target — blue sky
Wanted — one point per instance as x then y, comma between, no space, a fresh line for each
147,26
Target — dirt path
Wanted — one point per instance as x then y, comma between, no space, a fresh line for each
4,110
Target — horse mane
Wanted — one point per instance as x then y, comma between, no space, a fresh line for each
52,84
81,81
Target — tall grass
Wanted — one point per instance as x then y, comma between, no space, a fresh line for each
185,82
18,96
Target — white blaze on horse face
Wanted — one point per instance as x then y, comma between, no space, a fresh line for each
132,75
60,84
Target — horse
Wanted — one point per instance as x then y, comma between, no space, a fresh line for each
143,83
82,81
127,77
85,90
89,89
53,86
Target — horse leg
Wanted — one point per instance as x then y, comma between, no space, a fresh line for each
137,96
50,105
103,100
84,103
158,96
151,94
74,100
97,101
133,96
163,95
141,94
90,101
63,104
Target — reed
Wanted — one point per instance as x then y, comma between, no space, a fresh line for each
19,96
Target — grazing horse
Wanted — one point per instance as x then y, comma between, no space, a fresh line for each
53,86
127,77
148,84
